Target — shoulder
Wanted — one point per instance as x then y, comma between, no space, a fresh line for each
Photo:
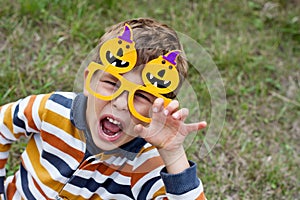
60,103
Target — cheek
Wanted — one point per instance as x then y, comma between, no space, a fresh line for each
94,106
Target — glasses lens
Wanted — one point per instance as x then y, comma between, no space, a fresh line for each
142,102
104,85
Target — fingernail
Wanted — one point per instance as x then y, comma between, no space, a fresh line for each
166,112
155,109
175,115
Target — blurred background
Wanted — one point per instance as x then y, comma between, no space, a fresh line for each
255,44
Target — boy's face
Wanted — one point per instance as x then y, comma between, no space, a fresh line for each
110,122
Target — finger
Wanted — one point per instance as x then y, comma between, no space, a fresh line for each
140,130
171,107
195,126
157,105
181,114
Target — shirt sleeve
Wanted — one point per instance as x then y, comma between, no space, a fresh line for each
21,118
185,185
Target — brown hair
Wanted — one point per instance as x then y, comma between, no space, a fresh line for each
152,39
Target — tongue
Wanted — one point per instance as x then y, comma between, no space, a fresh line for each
110,128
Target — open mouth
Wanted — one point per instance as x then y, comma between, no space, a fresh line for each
111,128
115,61
157,82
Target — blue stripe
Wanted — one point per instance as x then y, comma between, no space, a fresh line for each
24,183
109,185
57,98
2,178
146,188
16,120
59,164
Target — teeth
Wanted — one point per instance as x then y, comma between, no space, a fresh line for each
123,62
113,121
110,55
166,82
114,63
155,84
151,76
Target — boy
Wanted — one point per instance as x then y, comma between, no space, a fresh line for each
122,138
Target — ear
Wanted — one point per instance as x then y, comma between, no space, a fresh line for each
86,72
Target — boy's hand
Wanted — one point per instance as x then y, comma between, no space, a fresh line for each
167,130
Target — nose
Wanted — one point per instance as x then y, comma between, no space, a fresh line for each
120,52
161,73
121,102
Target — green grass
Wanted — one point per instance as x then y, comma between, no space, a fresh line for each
255,45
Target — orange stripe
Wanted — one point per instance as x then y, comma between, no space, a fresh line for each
42,105
160,192
67,195
11,189
2,163
7,121
201,196
28,113
40,170
62,145
4,147
63,123
145,168
39,188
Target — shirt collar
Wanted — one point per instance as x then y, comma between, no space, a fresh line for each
78,118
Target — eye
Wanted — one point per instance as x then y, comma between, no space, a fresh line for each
144,96
170,67
120,41
110,83
127,46
163,61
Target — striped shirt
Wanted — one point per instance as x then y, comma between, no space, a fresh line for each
58,163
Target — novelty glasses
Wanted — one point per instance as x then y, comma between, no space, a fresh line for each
109,85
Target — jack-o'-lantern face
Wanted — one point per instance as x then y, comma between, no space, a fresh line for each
160,75
119,52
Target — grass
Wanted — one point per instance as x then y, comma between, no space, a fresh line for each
255,45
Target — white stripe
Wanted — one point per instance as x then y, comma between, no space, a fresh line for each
35,107
155,187
53,171
3,154
69,160
19,183
64,136
192,194
7,133
154,173
34,191
85,193
58,108
68,95
117,161
23,104
100,178
17,196
4,141
139,160
2,172
47,190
